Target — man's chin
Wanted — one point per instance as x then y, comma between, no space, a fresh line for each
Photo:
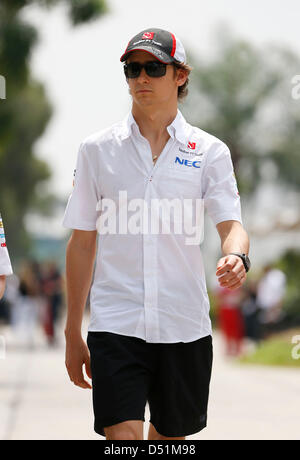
144,101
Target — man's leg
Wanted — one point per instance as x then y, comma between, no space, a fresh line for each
120,375
153,435
178,394
128,430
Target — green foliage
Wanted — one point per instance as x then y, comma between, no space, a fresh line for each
85,10
243,96
24,115
289,263
16,42
272,352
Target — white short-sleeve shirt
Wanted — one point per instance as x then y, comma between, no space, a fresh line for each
149,282
5,265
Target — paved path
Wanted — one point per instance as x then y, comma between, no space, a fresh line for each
246,402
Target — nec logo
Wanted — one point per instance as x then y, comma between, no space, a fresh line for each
189,163
148,36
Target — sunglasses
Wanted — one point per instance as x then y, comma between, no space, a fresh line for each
152,68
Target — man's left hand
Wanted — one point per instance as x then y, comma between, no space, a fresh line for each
231,272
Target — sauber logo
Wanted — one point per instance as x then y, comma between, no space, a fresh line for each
148,36
192,145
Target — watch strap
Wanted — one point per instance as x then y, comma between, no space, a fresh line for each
243,257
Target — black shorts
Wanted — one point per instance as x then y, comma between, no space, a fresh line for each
173,377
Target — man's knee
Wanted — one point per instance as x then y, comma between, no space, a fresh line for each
153,435
122,435
130,431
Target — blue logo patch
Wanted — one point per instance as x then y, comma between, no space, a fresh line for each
189,163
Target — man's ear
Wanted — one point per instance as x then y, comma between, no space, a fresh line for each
181,76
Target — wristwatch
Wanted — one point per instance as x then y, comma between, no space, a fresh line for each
245,259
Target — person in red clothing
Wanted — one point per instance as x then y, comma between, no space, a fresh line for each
230,319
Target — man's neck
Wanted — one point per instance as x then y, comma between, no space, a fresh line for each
153,123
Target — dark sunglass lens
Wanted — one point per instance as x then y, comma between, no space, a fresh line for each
152,68
155,69
132,70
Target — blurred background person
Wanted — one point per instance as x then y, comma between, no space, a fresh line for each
5,265
5,269
250,311
27,307
230,319
52,287
6,303
270,295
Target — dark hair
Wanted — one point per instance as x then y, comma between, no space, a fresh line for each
182,90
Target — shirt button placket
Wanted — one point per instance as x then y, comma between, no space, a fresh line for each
150,275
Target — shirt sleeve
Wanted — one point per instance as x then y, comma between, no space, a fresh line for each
5,265
83,205
220,192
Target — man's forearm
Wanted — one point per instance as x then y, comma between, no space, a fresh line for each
231,271
79,272
234,239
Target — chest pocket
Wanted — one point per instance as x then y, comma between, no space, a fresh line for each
179,182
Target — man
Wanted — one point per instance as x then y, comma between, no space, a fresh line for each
271,289
149,336
5,265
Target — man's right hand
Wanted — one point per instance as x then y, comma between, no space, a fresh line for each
77,355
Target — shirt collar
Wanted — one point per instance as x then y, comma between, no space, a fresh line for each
127,125
178,129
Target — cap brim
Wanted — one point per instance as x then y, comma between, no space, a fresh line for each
160,55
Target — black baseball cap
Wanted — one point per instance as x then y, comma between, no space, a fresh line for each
160,43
